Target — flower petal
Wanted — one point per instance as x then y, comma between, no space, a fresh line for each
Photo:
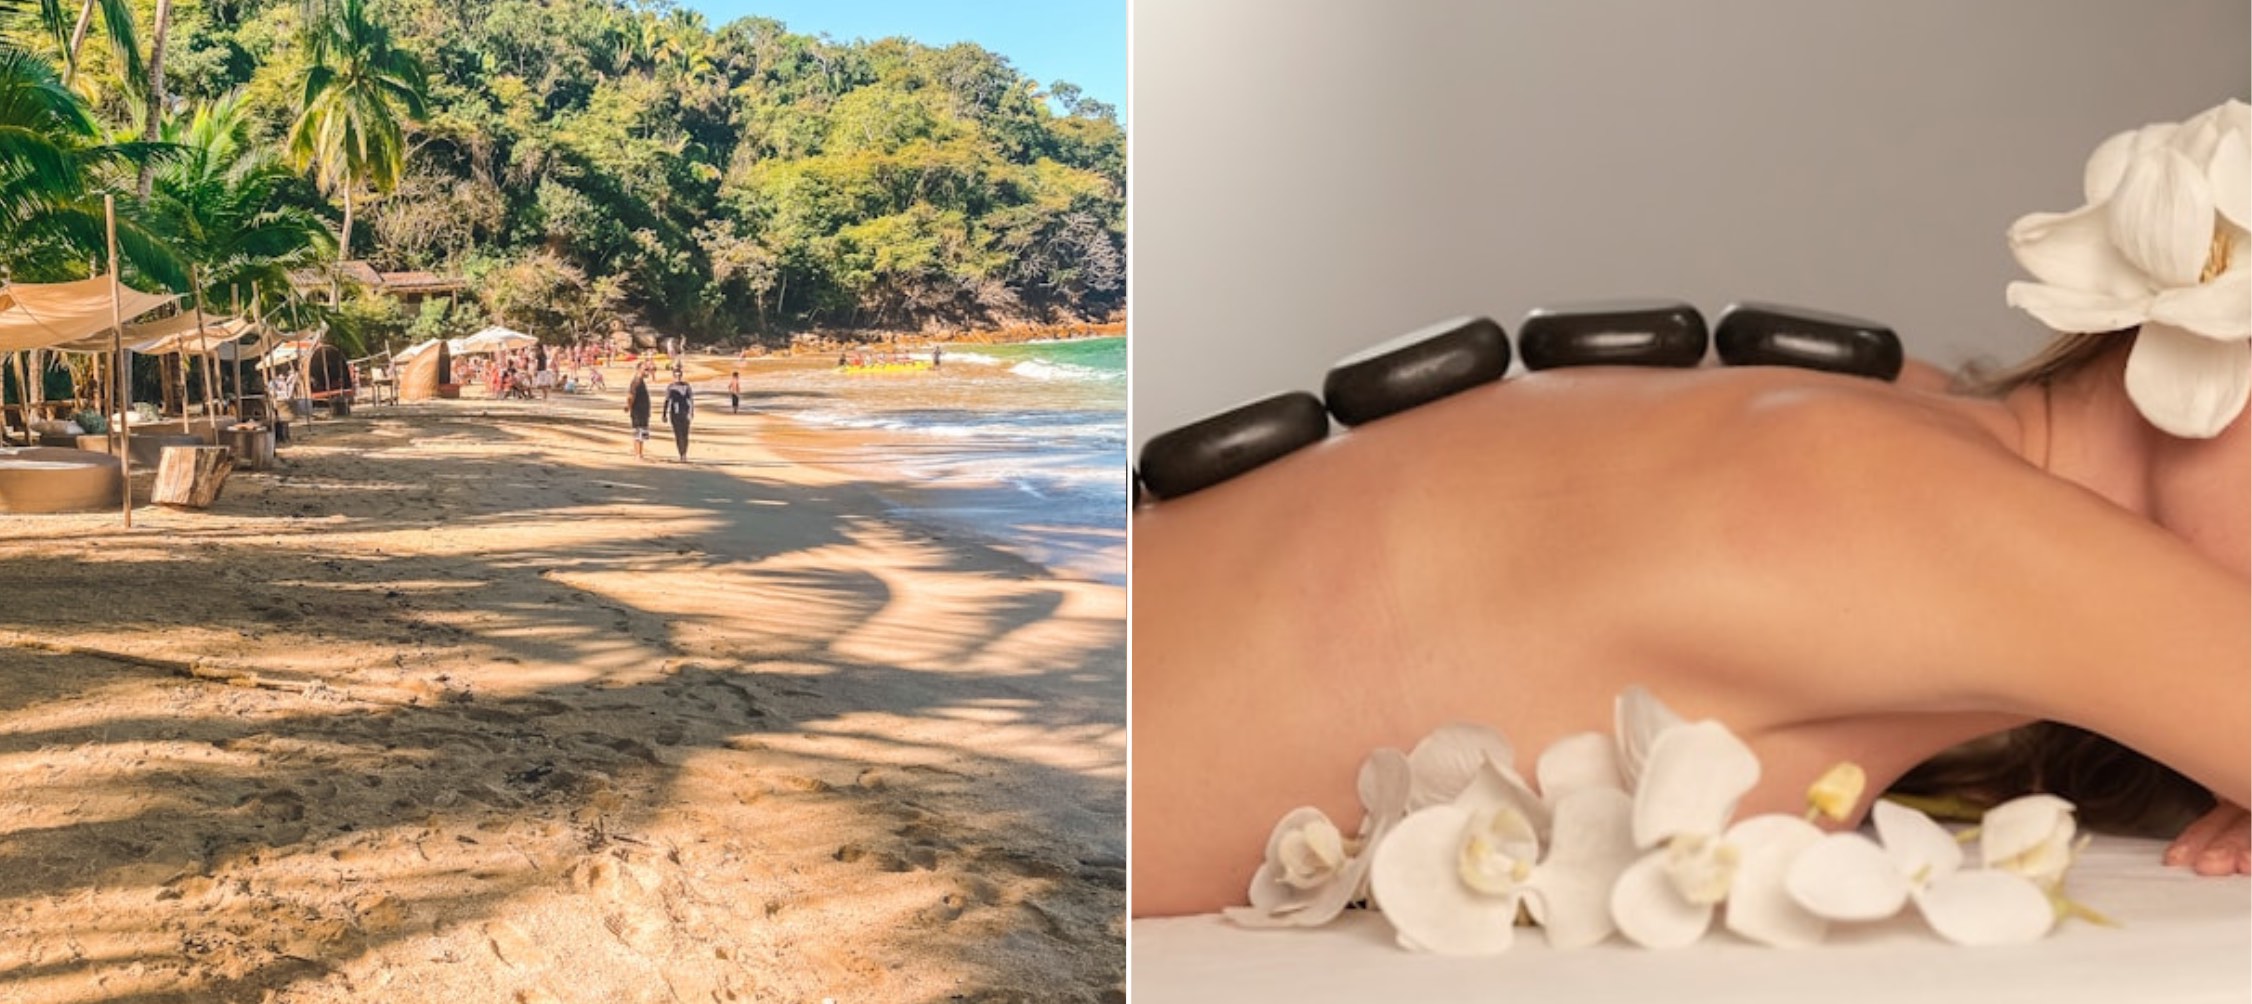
1920,849
2030,836
1759,907
1986,908
1650,912
1691,781
1571,891
2189,386
1385,783
2162,216
2109,162
1269,895
2075,250
1495,787
2198,136
2023,824
1846,876
1294,822
1574,763
1415,874
2219,309
1445,761
2075,312
2230,174
1639,719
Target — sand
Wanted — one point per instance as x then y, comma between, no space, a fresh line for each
463,704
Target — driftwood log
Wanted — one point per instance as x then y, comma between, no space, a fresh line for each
191,476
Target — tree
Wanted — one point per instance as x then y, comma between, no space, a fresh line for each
220,204
51,218
117,23
357,92
154,117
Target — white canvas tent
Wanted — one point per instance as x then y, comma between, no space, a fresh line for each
170,335
53,315
492,339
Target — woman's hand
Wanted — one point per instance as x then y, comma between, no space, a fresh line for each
2220,843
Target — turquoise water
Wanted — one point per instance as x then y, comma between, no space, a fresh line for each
1024,443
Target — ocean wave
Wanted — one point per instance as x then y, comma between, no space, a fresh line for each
1062,430
1039,370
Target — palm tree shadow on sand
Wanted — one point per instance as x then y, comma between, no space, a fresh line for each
723,757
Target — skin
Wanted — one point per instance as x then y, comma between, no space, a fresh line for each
1837,568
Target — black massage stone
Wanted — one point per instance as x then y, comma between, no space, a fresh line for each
1760,334
1613,333
1416,368
1207,452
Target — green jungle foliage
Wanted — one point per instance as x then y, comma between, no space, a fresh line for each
589,166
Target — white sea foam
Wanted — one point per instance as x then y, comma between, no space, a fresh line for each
1038,370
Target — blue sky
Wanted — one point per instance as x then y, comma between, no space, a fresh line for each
1082,41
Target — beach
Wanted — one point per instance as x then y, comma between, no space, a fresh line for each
463,703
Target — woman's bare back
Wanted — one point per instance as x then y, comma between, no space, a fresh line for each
1762,545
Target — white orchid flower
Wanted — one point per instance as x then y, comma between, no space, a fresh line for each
1453,878
1848,877
1691,777
1638,719
1448,760
2030,836
1311,872
2162,244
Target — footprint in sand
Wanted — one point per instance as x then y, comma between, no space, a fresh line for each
635,914
882,860
511,945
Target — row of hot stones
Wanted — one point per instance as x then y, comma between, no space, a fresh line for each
1454,356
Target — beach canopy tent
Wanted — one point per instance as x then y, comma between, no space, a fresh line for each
421,368
492,339
57,314
221,336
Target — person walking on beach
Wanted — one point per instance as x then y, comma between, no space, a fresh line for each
735,393
637,408
680,406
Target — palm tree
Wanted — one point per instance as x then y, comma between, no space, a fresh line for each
117,22
154,118
51,148
219,203
357,92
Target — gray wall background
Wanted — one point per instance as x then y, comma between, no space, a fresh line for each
1312,176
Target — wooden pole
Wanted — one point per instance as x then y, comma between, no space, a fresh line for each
117,342
234,294
203,341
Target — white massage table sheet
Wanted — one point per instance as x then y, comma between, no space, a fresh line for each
2182,939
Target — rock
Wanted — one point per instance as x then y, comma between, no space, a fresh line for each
1416,368
1761,334
1207,452
1613,333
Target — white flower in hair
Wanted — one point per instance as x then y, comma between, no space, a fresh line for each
1848,877
2161,244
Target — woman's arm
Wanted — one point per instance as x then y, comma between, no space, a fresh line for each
2024,594
2105,621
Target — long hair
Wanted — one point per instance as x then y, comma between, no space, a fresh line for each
2114,788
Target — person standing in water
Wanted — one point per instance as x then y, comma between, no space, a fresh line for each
637,409
680,406
735,392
